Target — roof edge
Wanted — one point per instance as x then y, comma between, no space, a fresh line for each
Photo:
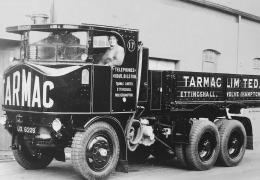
224,9
21,28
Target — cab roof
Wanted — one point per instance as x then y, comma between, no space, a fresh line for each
69,27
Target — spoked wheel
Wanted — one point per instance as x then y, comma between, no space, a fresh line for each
202,150
233,142
95,152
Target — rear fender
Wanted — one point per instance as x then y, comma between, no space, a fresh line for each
249,130
209,111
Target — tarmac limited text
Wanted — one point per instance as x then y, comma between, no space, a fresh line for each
217,82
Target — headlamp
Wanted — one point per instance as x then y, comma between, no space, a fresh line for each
84,57
56,124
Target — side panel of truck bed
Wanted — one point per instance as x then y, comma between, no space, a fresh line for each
183,89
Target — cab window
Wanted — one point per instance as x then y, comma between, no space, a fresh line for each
60,46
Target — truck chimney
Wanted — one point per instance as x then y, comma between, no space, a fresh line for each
39,18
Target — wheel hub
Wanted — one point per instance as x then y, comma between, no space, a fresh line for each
98,153
103,152
235,144
206,146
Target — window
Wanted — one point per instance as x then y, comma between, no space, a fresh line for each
62,45
209,60
162,64
100,42
256,63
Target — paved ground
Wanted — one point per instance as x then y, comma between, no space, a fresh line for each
248,169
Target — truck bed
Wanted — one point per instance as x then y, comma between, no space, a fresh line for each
169,90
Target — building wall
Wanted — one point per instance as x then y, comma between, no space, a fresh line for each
5,54
249,45
172,29
175,30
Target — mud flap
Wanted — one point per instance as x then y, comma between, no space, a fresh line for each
250,144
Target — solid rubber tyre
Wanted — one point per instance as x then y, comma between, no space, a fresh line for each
28,161
232,143
140,155
204,144
95,152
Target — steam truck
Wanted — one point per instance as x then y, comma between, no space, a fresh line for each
57,95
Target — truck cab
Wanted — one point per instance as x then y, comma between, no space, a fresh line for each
52,55
60,86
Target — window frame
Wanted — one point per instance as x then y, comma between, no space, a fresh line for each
256,64
214,56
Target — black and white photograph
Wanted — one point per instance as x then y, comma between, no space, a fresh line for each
130,89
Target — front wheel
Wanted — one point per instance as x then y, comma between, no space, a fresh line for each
233,142
95,152
36,159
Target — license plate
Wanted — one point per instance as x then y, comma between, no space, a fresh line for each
26,129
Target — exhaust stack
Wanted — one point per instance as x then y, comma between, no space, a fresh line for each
39,18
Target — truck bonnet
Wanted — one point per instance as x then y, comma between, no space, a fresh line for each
28,85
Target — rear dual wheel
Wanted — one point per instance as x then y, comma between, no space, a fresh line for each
207,144
202,151
233,142
203,148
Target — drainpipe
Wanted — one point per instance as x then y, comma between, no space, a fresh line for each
239,18
52,13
